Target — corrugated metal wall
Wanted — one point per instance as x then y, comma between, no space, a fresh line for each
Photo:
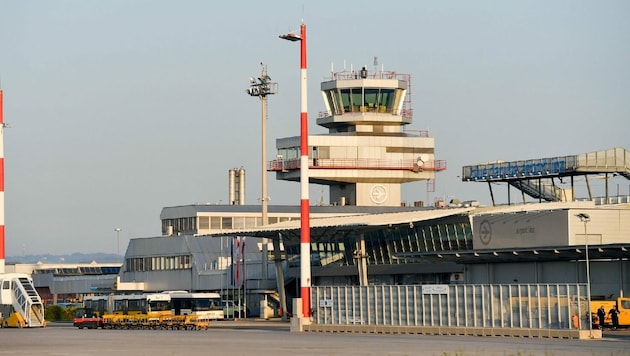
536,306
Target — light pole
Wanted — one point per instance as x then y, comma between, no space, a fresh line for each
305,233
118,230
261,88
585,218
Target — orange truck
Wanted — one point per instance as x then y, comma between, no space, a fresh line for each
623,305
87,318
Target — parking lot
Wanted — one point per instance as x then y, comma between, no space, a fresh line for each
255,337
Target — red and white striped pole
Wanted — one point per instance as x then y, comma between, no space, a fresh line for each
305,228
1,186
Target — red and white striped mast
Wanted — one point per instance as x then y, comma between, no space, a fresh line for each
2,126
305,228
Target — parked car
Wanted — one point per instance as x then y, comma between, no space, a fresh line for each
232,310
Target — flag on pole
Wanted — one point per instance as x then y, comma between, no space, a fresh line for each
232,262
243,271
238,262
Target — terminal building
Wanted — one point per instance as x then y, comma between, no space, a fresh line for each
369,235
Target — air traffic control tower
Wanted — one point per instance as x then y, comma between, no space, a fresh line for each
366,155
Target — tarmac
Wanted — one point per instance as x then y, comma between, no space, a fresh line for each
273,337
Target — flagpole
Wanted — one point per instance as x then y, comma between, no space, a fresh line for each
244,311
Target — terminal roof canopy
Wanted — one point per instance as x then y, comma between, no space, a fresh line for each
330,229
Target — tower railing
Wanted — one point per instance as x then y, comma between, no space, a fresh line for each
358,163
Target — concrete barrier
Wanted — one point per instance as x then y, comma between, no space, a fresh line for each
459,331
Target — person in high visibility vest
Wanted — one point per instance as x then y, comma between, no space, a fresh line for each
576,321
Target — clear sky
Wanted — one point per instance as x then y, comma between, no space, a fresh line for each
119,108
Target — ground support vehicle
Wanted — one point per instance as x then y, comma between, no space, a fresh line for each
20,304
178,310
623,306
120,321
172,322
196,322
87,318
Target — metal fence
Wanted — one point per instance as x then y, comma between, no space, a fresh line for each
533,306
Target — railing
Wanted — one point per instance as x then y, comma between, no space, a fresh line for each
27,302
418,133
404,112
357,163
369,74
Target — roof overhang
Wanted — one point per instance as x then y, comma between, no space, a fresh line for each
559,253
334,228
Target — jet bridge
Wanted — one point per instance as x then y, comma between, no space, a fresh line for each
539,178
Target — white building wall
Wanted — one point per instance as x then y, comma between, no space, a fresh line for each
606,226
607,277
379,194
520,229
526,229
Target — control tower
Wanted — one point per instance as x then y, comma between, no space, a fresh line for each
366,155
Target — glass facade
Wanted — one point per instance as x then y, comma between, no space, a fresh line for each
158,263
360,99
186,225
380,246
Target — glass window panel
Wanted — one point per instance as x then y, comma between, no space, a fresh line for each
238,222
226,222
204,222
386,101
215,222
345,100
371,99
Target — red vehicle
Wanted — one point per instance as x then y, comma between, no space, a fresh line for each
87,318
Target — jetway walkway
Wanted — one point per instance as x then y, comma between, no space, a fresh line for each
538,178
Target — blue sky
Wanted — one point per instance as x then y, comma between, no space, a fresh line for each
119,108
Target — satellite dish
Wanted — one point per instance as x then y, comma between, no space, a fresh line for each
422,159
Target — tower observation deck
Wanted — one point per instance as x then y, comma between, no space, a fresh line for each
366,155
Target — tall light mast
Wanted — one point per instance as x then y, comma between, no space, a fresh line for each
305,229
2,126
261,88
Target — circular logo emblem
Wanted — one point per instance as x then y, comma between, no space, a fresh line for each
485,232
378,194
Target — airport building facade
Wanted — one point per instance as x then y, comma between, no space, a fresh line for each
367,235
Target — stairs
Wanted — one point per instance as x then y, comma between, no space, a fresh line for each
27,303
546,192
